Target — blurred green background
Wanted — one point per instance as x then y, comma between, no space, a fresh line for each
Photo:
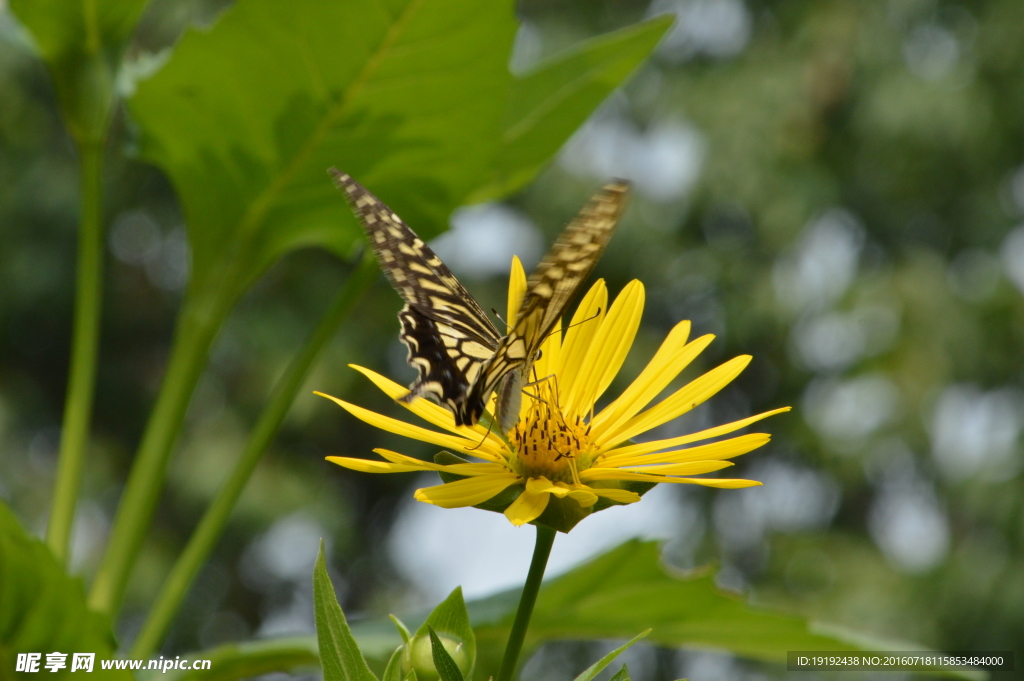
836,188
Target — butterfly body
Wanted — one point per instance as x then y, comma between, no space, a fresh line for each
459,354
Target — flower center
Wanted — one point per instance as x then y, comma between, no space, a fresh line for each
547,444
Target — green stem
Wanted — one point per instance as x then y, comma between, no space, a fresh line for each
198,322
541,551
212,524
74,439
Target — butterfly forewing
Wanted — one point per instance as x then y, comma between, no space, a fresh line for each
447,335
550,288
413,269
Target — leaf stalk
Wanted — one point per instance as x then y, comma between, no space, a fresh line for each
214,520
74,438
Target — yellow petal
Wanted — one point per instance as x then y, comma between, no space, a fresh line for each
725,449
666,364
468,492
516,291
715,451
424,408
721,483
647,477
371,466
542,485
547,364
607,350
526,508
584,324
584,497
468,468
683,400
484,451
623,496
690,468
657,445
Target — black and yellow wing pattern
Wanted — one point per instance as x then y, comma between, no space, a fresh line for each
460,356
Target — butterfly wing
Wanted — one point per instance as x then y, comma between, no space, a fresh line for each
447,335
550,288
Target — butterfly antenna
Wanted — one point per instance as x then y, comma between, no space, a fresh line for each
478,445
501,319
582,321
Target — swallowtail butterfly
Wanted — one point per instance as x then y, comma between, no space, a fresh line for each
460,356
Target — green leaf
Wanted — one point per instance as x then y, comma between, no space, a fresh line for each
596,668
340,657
622,674
628,589
393,672
412,97
407,96
246,660
403,631
82,44
547,105
443,662
43,609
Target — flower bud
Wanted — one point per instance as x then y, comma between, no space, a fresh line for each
417,654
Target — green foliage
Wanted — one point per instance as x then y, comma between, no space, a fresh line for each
622,674
443,662
414,99
596,668
393,672
600,600
550,102
407,95
628,588
339,654
42,609
82,43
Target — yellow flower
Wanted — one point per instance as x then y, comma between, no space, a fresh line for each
561,453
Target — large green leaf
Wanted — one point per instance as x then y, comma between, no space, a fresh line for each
405,95
411,97
628,589
82,42
43,610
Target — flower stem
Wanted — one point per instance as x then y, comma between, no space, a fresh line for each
212,524
541,551
74,438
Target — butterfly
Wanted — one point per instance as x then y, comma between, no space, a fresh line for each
459,354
